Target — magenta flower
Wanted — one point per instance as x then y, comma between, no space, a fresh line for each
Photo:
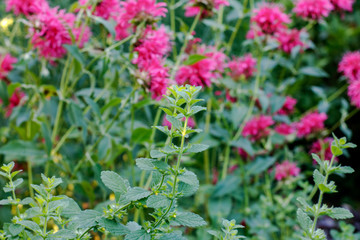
270,18
288,106
194,7
105,8
258,127
284,129
198,74
14,101
313,9
350,66
243,67
354,93
285,170
51,31
26,7
134,12
159,79
343,5
322,148
311,123
254,32
6,65
289,39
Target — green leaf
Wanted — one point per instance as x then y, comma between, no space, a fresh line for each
189,178
15,229
45,131
244,144
328,188
260,165
340,213
195,58
75,52
344,170
137,193
172,236
148,164
110,26
114,182
304,220
196,148
318,177
86,219
313,71
157,154
62,234
141,135
189,219
195,109
21,149
157,201
138,235
30,225
176,123
115,228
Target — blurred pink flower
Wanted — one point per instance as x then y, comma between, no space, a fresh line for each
258,127
354,93
26,7
350,65
322,147
288,39
194,7
254,32
288,106
242,67
6,65
345,5
51,31
284,129
134,12
229,97
105,8
285,170
14,101
313,9
159,79
311,123
198,74
270,18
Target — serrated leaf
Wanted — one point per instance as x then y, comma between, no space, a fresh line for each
176,123
138,235
190,178
30,225
62,234
115,228
157,154
86,219
318,177
4,202
196,148
340,213
195,109
114,182
157,201
189,219
344,170
172,236
15,229
137,193
304,220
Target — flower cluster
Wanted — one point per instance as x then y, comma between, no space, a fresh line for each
322,147
194,7
289,39
26,7
313,9
285,170
258,127
350,67
242,67
343,5
311,123
6,65
14,101
106,8
288,107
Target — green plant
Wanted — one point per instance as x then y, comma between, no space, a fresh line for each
346,233
229,231
321,179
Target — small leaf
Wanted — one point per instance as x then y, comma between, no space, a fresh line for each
318,177
196,148
304,220
189,219
195,58
313,71
113,227
62,234
176,123
114,182
157,201
110,26
340,213
30,225
138,235
157,154
137,193
75,52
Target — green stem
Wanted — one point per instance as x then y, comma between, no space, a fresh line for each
173,27
206,153
182,51
219,32
30,178
245,187
237,27
226,162
14,31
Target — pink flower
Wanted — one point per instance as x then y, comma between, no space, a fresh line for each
229,97
194,7
258,127
14,101
198,74
289,39
354,93
51,31
254,32
270,18
284,129
345,5
105,8
134,12
313,9
322,148
243,67
311,123
286,170
288,106
26,7
159,79
191,123
350,65
154,44
6,65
